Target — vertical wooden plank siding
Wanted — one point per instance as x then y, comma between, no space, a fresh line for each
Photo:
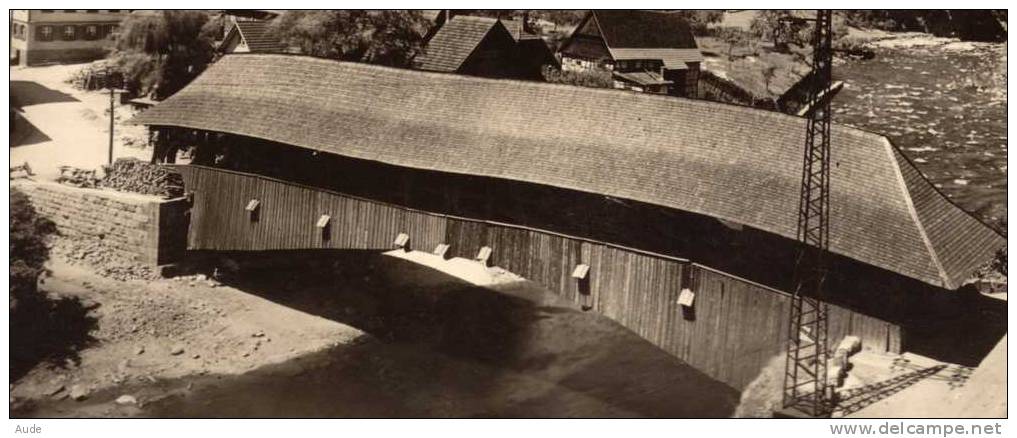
736,326
288,214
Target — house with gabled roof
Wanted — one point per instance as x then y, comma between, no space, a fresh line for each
649,51
483,46
251,36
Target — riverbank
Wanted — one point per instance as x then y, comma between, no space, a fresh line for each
429,341
147,331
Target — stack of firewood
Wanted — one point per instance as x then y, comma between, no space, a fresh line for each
22,171
96,76
136,176
74,176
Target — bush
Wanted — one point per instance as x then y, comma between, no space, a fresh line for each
599,78
998,263
28,249
40,328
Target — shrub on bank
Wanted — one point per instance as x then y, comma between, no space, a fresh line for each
594,78
41,328
28,251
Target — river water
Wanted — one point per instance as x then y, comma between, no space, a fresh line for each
943,102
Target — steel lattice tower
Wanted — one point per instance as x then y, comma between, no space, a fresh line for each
805,379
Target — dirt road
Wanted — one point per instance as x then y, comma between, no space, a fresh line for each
63,126
146,331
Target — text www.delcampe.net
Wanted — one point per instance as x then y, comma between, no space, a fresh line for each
902,428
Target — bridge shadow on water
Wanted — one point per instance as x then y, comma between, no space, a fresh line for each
442,347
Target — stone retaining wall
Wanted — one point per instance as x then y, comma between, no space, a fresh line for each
148,229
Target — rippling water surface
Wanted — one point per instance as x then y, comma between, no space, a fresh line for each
944,105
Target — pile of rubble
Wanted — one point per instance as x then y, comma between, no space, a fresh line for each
105,260
136,176
137,317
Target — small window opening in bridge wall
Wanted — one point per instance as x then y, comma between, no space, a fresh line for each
686,299
581,274
442,250
402,241
687,295
484,255
325,225
253,210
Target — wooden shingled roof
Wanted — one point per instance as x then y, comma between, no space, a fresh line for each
730,162
258,36
635,35
453,44
635,29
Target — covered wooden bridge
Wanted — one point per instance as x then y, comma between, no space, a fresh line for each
653,194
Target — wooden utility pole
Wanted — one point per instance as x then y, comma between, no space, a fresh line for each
112,93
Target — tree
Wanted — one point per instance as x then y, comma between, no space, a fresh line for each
560,17
734,37
387,37
700,20
162,51
769,73
779,26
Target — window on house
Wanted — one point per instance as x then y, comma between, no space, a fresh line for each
69,33
45,33
105,30
92,32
